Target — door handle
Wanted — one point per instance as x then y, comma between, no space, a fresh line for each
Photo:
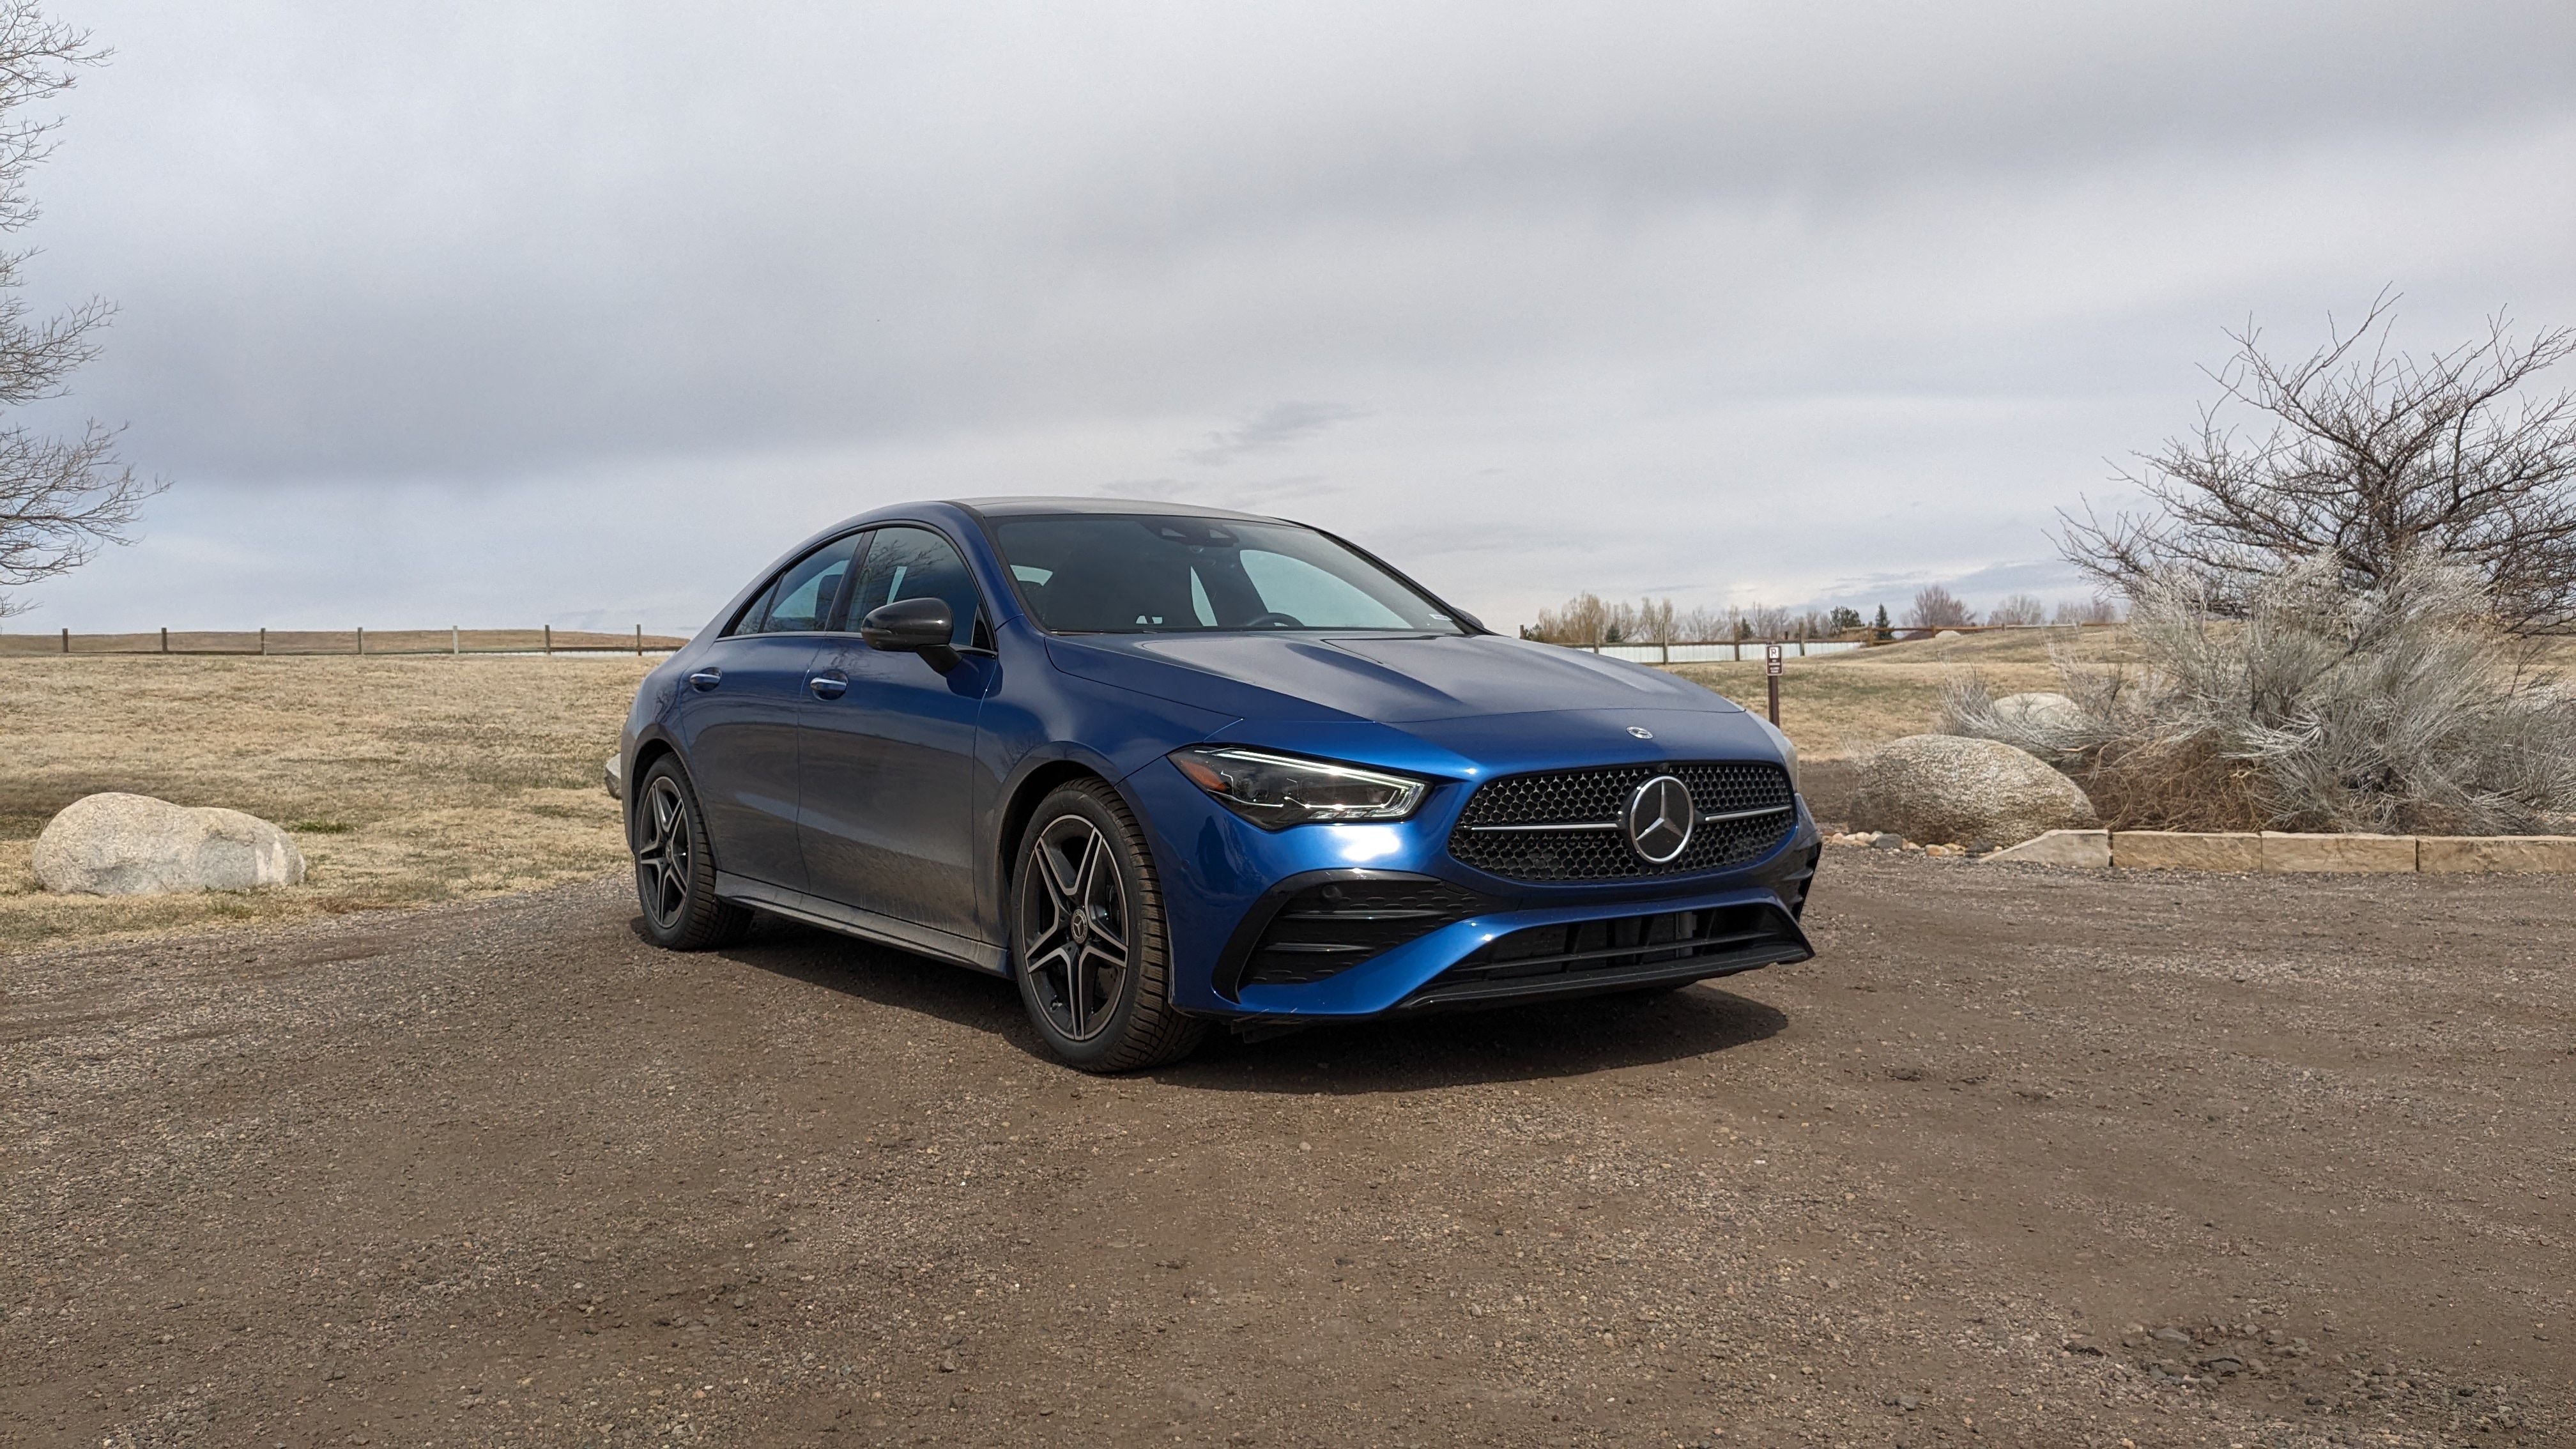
706,679
829,686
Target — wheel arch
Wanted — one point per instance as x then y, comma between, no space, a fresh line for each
1041,780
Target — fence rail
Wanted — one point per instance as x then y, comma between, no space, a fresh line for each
544,639
1718,651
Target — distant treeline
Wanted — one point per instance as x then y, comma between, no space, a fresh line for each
1588,618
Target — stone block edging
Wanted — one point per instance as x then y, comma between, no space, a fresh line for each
2289,852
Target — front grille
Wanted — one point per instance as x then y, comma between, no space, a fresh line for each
1607,954
1590,803
1328,929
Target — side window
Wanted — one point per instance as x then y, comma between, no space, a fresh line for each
915,563
802,598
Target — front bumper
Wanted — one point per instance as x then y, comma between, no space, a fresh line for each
1224,878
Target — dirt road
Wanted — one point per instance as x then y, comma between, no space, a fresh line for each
2021,1158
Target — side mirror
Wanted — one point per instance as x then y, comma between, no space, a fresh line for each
913,626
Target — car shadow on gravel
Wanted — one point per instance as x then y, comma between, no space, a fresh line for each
1517,1043
1505,1044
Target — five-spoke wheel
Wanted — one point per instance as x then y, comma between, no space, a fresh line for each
1073,915
1087,935
675,873
662,853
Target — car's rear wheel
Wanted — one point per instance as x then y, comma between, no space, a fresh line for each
1088,941
675,872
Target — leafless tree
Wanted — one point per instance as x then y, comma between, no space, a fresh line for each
2100,609
1937,608
2368,457
2018,609
61,498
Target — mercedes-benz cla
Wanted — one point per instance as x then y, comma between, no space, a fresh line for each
1167,766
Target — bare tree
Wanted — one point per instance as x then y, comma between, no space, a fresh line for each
2366,457
2018,609
1937,608
2100,609
61,498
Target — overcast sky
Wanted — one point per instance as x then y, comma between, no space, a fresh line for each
501,313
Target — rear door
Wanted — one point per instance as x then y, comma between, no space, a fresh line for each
738,718
888,766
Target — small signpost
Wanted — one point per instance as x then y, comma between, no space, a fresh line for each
1771,677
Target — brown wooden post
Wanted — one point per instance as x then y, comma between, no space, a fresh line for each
1771,676
263,639
550,640
455,639
362,639
165,639
67,641
639,641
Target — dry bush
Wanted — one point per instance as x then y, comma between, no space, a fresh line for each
2404,708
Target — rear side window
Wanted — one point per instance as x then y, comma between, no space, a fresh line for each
801,600
915,563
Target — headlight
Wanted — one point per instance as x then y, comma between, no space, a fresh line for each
1277,791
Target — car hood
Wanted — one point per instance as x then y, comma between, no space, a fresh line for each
1383,678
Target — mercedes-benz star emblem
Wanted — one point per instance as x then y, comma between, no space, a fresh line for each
1660,819
1641,732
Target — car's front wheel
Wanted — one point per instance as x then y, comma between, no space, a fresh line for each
675,872
1088,941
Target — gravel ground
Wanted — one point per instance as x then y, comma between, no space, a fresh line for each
2021,1158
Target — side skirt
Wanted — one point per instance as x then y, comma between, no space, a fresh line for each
866,925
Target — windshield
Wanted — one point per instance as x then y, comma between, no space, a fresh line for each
1137,574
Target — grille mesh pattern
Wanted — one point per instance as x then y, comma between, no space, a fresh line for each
1601,795
1328,929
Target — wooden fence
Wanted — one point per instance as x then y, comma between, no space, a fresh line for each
1704,651
544,639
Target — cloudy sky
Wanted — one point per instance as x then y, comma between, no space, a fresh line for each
496,313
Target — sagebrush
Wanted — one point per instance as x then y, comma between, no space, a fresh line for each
2404,708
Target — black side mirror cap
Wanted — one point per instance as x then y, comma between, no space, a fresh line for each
913,626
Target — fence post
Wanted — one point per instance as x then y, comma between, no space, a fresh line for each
455,639
550,640
639,641
362,638
67,641
263,639
165,638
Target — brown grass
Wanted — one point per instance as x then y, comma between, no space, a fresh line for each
403,780
1835,705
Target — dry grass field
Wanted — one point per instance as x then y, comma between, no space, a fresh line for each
403,780
1837,705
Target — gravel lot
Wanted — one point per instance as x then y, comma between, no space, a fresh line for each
2021,1158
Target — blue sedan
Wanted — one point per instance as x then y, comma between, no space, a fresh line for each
1167,767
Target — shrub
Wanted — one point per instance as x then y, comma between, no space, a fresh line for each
2404,707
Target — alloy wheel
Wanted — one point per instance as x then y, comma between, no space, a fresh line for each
663,857
1073,921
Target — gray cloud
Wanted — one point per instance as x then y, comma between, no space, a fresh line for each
1766,298
1272,428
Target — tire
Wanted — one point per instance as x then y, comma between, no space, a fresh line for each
675,869
1089,944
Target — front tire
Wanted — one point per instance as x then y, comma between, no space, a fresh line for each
1088,940
675,872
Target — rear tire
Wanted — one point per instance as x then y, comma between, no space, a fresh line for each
1088,940
675,871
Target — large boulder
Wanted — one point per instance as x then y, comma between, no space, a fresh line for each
133,845
2040,713
1936,788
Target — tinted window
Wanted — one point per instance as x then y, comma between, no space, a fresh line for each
1126,574
802,598
915,563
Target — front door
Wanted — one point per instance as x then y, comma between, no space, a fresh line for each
888,765
738,719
